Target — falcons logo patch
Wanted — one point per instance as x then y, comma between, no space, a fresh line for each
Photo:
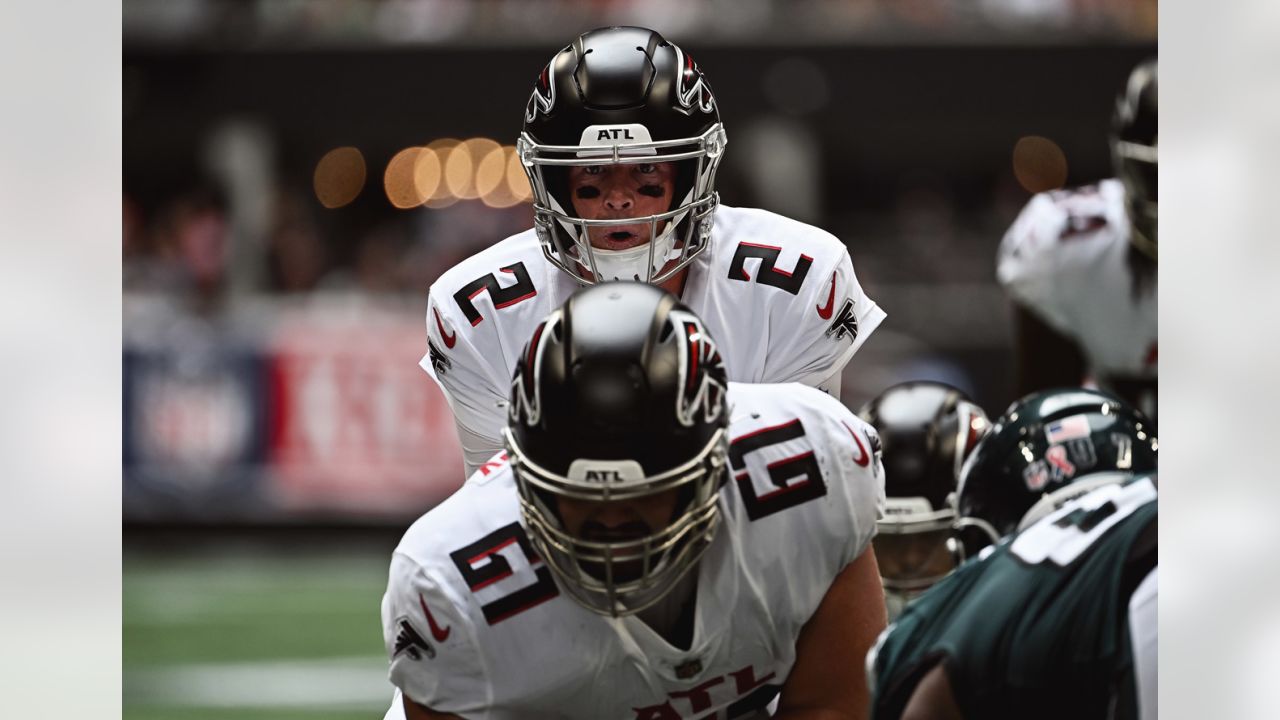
408,641
846,323
439,362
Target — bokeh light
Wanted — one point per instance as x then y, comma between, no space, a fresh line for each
1039,164
448,170
460,169
399,181
491,172
517,181
442,196
339,177
428,173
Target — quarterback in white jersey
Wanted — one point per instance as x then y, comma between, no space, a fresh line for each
1080,266
621,142
655,543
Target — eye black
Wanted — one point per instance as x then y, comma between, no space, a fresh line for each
588,192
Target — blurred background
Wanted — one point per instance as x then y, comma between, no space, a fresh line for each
297,172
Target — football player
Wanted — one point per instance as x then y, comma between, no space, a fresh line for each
1058,622
927,430
655,542
621,142
1047,448
1048,622
1080,266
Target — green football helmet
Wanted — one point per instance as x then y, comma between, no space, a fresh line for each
1046,449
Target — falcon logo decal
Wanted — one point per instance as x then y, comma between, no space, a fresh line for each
846,323
411,643
692,92
544,94
526,392
702,390
439,362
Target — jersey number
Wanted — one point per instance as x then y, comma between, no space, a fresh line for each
796,479
501,297
769,275
482,564
1063,540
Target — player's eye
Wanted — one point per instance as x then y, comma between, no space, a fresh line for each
593,169
647,168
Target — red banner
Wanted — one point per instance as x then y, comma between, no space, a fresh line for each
356,426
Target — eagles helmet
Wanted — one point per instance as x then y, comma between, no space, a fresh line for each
1134,141
1047,448
927,430
619,395
622,95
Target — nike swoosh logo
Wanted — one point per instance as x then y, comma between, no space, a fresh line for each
436,632
825,312
449,340
862,461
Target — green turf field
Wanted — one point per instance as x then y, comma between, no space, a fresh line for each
253,631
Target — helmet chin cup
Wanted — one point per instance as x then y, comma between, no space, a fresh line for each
643,262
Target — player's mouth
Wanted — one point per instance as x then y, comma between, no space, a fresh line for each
618,238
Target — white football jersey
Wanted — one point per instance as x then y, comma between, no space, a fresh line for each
475,623
780,298
1064,259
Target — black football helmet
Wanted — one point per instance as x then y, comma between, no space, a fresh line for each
622,95
1134,142
619,395
927,430
1047,448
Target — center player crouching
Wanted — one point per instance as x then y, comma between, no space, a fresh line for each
654,543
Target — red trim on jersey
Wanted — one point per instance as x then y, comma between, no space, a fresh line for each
490,551
522,298
753,433
522,608
786,488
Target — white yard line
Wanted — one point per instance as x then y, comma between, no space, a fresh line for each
355,682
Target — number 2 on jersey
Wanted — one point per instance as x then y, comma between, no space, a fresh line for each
768,274
501,297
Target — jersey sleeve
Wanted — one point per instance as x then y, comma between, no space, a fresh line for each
828,321
476,393
1025,264
855,474
434,659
